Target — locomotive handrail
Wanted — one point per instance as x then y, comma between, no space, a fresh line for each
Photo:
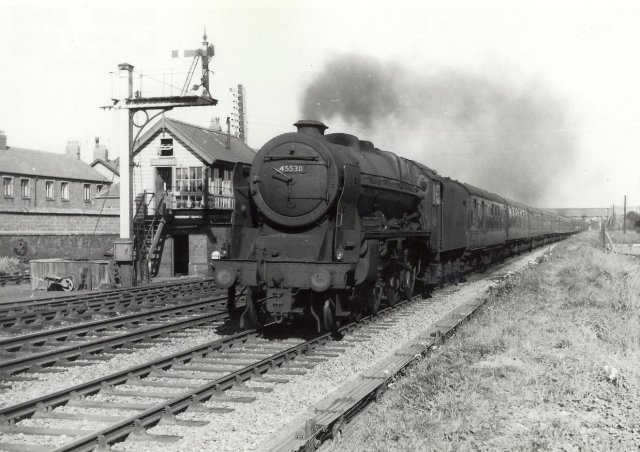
390,188
401,182
270,158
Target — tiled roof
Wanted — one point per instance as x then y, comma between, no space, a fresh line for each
47,164
109,191
210,145
112,165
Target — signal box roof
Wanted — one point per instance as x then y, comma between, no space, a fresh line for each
209,145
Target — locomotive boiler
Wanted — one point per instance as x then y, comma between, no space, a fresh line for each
328,227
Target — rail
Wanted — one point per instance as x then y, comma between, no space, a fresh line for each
27,313
181,306
266,358
66,355
15,278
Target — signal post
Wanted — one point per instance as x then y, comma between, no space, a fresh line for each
127,109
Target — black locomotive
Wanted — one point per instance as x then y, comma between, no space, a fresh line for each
330,227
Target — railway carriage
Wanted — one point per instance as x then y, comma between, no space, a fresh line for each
328,227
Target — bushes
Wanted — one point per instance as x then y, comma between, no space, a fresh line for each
9,265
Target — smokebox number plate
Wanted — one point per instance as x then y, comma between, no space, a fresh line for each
292,169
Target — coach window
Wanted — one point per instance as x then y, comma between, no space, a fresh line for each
476,216
7,186
48,187
25,188
482,214
64,191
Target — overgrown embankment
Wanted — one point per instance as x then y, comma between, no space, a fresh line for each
551,363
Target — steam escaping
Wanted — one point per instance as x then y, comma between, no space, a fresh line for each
504,136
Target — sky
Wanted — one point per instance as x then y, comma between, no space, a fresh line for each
574,69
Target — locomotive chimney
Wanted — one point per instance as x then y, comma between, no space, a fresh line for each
310,127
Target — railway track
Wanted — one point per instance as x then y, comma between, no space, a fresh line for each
333,412
16,278
32,351
74,350
158,390
28,315
214,379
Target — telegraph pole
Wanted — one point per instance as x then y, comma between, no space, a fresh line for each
624,216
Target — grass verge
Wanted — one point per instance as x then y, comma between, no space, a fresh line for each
550,363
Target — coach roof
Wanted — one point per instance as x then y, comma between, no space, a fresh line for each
28,162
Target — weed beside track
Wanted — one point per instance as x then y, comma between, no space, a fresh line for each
549,364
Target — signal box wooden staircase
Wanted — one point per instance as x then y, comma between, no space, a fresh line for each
149,234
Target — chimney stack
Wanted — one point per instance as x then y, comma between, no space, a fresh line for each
100,152
215,124
3,140
73,149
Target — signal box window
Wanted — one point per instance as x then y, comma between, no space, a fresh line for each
166,147
87,192
189,187
25,188
64,191
7,187
48,185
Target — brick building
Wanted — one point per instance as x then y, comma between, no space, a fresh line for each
183,179
48,206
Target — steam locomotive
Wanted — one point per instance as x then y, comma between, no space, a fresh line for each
328,227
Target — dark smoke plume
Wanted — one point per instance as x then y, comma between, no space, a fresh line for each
505,136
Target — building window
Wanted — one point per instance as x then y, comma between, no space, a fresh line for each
87,192
98,189
25,188
166,147
64,191
7,186
220,182
48,185
188,187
